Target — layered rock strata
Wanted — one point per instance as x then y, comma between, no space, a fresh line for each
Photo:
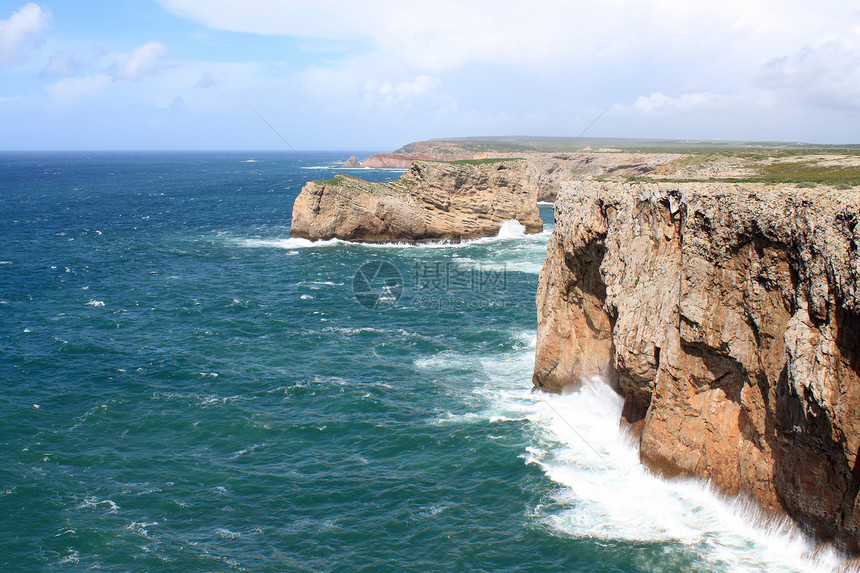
431,201
546,170
550,170
729,317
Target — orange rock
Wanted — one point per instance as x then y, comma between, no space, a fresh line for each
729,317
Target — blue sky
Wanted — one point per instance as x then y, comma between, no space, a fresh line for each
332,74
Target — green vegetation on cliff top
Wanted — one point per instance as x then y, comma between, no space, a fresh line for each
516,144
487,161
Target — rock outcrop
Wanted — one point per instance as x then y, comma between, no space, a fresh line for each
388,161
546,170
431,201
728,315
550,170
352,162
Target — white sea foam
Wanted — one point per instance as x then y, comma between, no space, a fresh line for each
316,285
96,303
94,502
605,493
608,494
72,556
289,243
247,450
139,527
512,229
509,230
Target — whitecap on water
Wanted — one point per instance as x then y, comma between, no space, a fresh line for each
94,502
72,556
139,527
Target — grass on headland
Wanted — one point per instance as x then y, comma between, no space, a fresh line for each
801,167
808,173
336,180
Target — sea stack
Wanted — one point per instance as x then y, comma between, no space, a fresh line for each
352,162
431,201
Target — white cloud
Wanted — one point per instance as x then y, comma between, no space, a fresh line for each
503,66
659,103
450,33
72,90
62,65
22,33
388,93
827,74
144,60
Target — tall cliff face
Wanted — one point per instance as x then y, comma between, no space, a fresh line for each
729,317
431,201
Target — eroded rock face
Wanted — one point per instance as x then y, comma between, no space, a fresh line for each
550,170
388,161
729,317
431,201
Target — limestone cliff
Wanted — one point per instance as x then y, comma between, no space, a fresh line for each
550,170
728,315
388,161
431,201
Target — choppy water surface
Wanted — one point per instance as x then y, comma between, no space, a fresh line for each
187,388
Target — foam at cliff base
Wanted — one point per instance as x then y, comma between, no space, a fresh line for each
512,229
605,492
609,494
290,243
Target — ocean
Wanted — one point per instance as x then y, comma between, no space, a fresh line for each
187,388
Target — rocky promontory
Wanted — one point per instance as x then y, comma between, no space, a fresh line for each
728,315
431,201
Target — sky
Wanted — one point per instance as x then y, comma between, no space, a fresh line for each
332,74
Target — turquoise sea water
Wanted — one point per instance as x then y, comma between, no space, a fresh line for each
186,388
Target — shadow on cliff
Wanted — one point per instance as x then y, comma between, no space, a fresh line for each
814,479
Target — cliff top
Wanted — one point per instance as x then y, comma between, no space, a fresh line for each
521,144
647,159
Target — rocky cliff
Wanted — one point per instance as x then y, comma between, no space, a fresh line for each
431,201
729,317
546,170
550,170
388,161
